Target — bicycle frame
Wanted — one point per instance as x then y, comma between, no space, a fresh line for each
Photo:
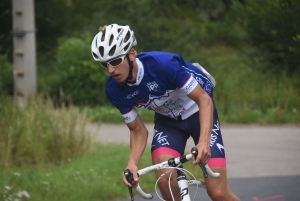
182,181
183,184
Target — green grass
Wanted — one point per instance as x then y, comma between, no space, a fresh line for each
95,176
40,134
47,155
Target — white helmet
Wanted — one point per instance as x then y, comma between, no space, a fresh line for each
113,42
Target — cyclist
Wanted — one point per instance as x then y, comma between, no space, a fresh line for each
180,93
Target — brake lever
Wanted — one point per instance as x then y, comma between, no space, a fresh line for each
194,151
129,177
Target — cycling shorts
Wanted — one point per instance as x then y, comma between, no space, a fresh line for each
170,137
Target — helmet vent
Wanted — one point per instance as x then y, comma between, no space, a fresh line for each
103,36
101,50
127,36
111,39
112,50
95,55
126,47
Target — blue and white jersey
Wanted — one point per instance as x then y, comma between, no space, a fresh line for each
162,84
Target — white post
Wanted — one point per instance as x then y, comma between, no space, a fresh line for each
24,54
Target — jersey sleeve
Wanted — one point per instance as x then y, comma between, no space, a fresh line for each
186,76
190,85
179,76
130,116
128,112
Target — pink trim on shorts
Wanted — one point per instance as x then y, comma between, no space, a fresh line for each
217,162
164,150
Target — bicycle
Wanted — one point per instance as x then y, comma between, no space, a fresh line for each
182,180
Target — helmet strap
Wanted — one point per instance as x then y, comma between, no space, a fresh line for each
130,76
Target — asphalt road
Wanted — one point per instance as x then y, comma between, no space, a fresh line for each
263,162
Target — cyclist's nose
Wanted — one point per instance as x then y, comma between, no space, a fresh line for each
110,69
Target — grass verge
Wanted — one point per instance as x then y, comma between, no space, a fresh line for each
40,134
95,176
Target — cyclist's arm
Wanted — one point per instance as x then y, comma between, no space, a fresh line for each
138,142
205,104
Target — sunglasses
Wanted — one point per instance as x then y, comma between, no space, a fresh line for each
114,62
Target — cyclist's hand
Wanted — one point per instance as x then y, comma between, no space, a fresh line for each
135,181
203,153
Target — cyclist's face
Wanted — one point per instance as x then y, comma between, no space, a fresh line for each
119,73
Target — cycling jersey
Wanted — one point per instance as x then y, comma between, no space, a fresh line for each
162,84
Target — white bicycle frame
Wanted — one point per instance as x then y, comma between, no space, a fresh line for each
183,182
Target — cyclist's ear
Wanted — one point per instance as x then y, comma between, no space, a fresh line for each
132,54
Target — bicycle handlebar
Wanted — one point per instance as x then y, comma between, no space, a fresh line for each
172,162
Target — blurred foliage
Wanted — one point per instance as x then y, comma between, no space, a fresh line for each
149,19
241,88
77,78
267,32
54,19
273,28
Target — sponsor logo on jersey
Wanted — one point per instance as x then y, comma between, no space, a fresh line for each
208,87
132,95
172,108
140,74
190,84
182,111
152,86
127,118
199,80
